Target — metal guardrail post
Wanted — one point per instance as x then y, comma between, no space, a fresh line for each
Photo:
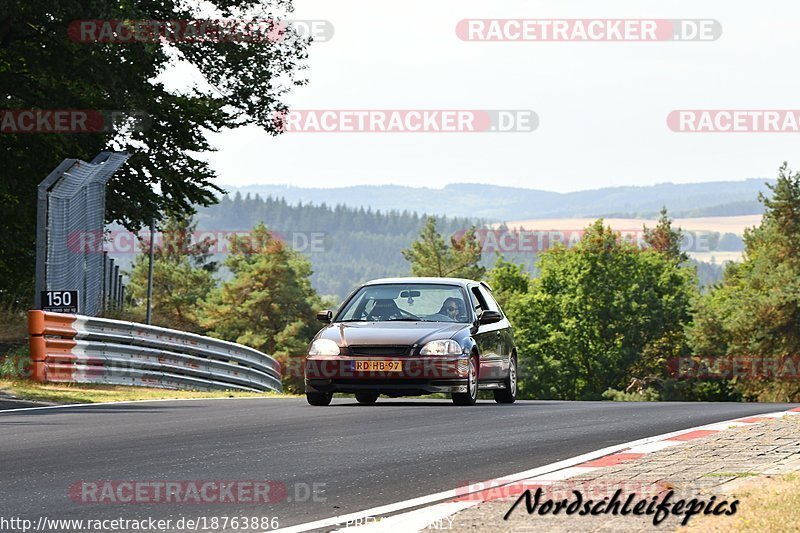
117,281
120,292
150,270
104,287
110,286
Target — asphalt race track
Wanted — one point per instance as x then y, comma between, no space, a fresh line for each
15,404
362,456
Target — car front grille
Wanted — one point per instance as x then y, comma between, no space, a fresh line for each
380,351
375,382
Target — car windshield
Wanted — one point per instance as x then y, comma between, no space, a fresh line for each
408,301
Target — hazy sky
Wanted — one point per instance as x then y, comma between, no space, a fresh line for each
602,105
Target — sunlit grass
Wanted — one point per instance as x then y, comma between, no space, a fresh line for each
89,393
765,504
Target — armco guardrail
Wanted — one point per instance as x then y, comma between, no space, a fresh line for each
82,349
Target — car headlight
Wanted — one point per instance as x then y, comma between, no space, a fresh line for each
443,347
323,347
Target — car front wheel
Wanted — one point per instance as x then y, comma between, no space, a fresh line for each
471,396
319,398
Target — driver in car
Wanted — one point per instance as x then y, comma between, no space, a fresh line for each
453,308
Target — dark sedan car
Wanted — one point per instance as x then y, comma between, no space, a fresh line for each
414,336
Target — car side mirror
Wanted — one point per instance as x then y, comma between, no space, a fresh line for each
490,317
325,316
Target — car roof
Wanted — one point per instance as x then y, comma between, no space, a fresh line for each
436,281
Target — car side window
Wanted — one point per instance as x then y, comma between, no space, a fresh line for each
487,297
477,301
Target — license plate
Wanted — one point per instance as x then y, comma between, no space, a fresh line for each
378,366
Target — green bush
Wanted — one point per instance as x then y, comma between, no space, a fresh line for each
14,365
646,395
696,390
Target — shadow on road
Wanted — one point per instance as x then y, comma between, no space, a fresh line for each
444,403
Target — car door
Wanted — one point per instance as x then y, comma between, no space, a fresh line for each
489,337
505,330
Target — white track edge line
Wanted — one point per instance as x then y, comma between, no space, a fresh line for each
546,469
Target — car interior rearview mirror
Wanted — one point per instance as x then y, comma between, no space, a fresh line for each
409,294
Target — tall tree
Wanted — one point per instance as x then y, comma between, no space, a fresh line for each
755,312
508,280
593,312
430,255
268,304
237,83
664,239
182,276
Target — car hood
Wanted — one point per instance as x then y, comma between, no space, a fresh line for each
389,333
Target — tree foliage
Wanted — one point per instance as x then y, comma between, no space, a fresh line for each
237,83
431,256
755,312
508,280
664,239
183,276
598,314
269,304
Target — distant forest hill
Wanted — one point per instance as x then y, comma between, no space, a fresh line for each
496,203
347,245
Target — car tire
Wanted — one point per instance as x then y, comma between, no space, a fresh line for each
367,398
319,398
471,396
509,394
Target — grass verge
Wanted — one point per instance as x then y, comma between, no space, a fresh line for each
64,393
765,504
